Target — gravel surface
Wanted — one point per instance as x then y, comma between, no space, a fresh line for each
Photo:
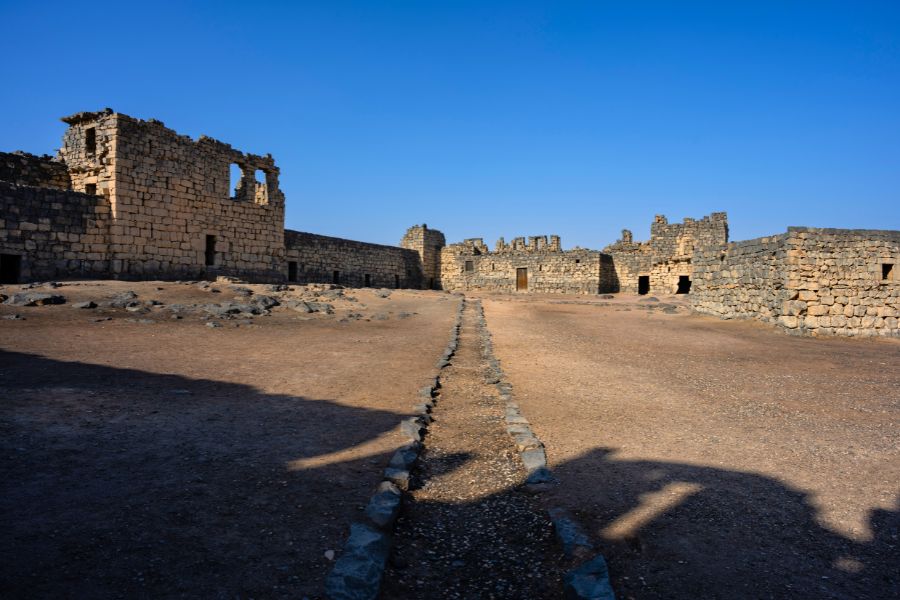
709,458
470,531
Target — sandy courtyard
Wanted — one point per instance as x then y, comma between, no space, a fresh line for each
713,459
168,458
148,455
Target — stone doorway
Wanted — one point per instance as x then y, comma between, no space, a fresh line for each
643,284
10,268
521,279
684,284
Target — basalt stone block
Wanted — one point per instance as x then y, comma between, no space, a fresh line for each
357,573
516,420
590,581
384,506
518,429
534,459
412,428
526,441
404,457
35,299
574,541
399,477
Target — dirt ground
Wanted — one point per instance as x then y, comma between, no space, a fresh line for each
151,456
713,459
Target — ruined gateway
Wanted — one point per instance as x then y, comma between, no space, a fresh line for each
132,199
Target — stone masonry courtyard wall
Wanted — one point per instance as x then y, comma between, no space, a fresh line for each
471,266
323,259
53,233
667,256
807,281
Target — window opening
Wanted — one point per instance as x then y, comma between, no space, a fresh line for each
90,140
887,272
210,251
90,189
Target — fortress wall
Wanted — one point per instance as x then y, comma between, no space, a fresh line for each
173,214
317,257
55,233
807,281
741,280
570,272
428,243
22,168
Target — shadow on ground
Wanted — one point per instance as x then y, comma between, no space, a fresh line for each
125,483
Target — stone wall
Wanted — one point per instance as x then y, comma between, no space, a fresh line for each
741,280
22,168
428,243
667,256
317,258
172,210
55,233
470,265
808,281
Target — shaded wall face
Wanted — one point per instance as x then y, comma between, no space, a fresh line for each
742,280
55,233
175,213
428,243
36,171
575,272
357,264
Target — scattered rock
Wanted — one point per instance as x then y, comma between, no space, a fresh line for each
213,324
14,317
88,304
383,293
35,299
123,300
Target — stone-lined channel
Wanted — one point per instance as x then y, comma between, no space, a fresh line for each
469,527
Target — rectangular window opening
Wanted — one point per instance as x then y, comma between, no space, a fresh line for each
10,268
470,266
887,272
90,189
292,270
90,140
210,251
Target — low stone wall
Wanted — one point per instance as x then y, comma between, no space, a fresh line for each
22,168
571,272
56,233
807,281
318,257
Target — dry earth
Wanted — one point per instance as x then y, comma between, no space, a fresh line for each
147,456
713,459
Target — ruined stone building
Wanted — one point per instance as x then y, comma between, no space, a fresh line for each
132,199
129,198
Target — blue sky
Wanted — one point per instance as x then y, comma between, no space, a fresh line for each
486,119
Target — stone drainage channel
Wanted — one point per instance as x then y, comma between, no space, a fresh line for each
458,514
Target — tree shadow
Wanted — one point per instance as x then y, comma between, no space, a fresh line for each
673,530
126,483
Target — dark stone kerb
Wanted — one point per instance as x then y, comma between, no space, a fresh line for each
357,573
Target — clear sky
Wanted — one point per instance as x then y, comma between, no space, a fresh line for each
484,118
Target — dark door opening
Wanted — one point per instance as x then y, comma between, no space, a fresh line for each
431,283
643,284
210,251
521,279
10,268
368,280
336,277
684,284
292,270
397,281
